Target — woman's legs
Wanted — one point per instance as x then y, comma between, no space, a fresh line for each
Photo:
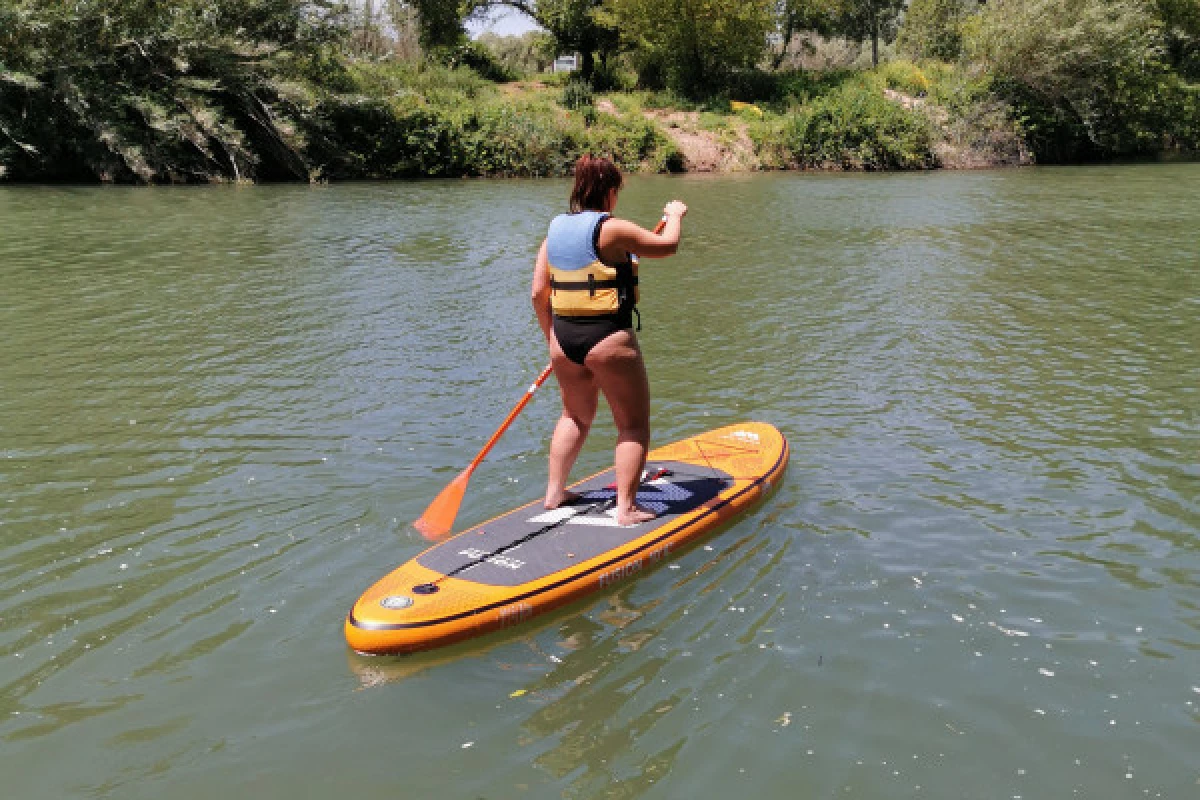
618,370
579,397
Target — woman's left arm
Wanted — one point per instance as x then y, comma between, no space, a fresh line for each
541,291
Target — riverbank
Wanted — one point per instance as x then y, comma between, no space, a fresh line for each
398,120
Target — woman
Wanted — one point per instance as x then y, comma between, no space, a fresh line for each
584,293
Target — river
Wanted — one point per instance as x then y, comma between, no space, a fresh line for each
220,409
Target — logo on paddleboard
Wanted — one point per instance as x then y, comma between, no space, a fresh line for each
396,602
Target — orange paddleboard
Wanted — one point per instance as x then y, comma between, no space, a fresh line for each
521,564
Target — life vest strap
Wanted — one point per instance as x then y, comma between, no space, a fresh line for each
590,284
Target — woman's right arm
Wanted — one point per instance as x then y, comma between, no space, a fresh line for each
624,236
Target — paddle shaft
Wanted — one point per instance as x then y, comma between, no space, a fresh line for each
520,406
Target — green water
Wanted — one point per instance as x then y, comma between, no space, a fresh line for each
221,407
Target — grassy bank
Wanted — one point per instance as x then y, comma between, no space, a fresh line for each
340,120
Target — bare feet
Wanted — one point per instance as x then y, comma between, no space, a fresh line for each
634,516
562,498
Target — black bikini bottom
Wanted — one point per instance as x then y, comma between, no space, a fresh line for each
578,335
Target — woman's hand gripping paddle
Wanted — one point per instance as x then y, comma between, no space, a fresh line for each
438,519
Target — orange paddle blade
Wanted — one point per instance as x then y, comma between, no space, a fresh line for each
438,519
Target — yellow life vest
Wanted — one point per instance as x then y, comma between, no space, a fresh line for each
581,284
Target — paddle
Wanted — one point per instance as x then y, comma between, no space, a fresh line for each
438,518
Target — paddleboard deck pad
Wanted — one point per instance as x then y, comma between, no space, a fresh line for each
521,564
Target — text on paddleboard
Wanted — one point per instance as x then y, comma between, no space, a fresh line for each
633,567
499,561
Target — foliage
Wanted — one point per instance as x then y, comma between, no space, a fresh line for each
431,126
474,56
691,46
1086,74
575,25
903,76
1181,32
794,16
440,22
142,91
201,90
576,95
855,127
933,29
531,52
868,20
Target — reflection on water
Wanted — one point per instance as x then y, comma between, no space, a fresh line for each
222,407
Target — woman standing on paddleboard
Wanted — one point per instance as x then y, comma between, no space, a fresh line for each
585,293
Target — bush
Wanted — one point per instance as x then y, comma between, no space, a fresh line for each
474,56
904,76
634,144
857,128
358,137
1084,74
576,95
506,141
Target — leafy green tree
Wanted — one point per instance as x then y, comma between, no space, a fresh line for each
933,29
1063,49
440,22
532,51
1094,63
868,20
696,43
794,16
1181,31
142,90
575,25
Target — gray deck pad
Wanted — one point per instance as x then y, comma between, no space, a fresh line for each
572,533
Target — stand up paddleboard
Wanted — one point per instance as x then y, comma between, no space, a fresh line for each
531,560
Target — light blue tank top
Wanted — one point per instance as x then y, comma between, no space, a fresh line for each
571,240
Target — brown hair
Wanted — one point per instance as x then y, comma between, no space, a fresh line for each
595,177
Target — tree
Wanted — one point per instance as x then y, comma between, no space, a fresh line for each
933,29
873,20
695,42
794,16
440,22
576,25
1096,61
532,51
1181,31
144,91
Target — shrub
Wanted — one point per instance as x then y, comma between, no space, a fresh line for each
576,95
1084,73
857,128
508,141
903,76
634,143
358,137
